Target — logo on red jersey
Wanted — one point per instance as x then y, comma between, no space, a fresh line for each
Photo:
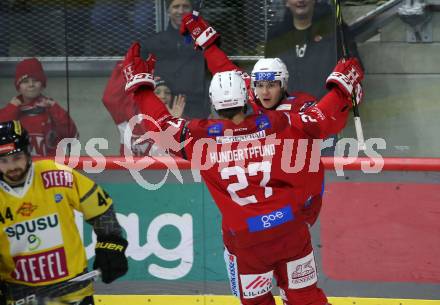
255,285
38,144
215,129
306,105
231,262
57,178
263,122
26,209
270,220
302,272
241,138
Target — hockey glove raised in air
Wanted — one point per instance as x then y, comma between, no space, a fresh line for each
138,72
110,257
347,76
201,32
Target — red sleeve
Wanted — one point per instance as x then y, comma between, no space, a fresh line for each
302,99
170,133
115,99
325,118
218,61
9,112
63,124
340,121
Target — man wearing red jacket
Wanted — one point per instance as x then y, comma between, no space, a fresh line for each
123,110
267,89
46,121
246,166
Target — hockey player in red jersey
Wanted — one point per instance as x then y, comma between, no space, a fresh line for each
245,162
47,122
267,90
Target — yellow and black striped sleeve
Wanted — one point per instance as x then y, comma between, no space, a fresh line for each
93,199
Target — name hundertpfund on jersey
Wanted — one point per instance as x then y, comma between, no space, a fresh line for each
242,153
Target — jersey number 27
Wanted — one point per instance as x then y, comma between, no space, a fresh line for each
242,183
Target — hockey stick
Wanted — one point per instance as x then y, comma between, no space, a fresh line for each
92,275
356,116
46,293
197,8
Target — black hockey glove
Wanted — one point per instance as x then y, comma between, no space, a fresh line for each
110,257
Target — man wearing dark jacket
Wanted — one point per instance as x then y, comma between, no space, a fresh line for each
178,63
305,41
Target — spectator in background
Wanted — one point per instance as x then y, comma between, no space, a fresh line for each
176,104
143,19
114,27
50,27
178,63
77,16
306,42
47,122
122,108
4,28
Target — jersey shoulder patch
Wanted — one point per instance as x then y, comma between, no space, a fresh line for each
262,122
205,128
215,129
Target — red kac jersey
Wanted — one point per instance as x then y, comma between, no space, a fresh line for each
249,167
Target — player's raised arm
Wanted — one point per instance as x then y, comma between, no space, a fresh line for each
319,120
165,130
205,37
140,83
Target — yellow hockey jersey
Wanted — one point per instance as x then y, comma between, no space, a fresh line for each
40,242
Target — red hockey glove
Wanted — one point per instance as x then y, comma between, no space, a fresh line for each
201,32
347,75
138,72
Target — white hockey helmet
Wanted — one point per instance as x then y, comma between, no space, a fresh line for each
270,69
227,90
